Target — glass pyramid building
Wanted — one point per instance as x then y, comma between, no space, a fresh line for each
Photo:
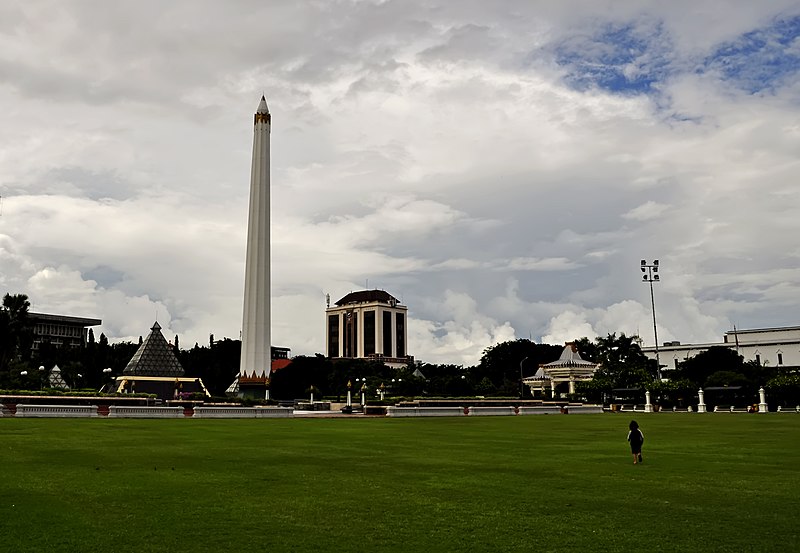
154,357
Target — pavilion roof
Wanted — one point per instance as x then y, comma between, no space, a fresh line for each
367,296
569,358
154,357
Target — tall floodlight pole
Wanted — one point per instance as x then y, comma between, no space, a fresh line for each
650,276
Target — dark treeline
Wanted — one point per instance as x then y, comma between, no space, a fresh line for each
623,366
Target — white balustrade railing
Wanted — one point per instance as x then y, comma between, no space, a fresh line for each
24,410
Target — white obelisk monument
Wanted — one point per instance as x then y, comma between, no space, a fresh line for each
256,360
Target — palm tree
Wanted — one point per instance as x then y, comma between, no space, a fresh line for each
15,328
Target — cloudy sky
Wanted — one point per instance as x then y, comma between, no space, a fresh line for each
500,167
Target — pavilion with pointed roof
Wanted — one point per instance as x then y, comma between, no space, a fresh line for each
154,369
570,367
154,357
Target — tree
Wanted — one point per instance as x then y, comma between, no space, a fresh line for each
622,362
16,330
715,359
217,365
450,380
330,377
502,364
784,389
726,378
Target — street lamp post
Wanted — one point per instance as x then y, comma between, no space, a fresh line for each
521,385
650,276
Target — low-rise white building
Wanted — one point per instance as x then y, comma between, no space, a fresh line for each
768,346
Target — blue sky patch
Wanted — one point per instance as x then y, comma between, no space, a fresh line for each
761,60
635,57
619,58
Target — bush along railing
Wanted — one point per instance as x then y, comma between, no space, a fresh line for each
51,392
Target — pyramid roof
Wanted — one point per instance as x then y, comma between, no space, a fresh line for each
56,380
154,357
233,389
570,358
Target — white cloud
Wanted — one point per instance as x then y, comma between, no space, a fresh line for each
647,211
535,264
566,327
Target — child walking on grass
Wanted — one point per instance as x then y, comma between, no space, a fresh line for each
636,438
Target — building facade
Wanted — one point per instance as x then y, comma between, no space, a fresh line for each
368,324
776,347
60,330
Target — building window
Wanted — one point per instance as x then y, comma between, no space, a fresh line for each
758,358
387,333
401,334
675,362
369,333
333,335
780,358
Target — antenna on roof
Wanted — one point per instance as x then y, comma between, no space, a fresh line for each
327,300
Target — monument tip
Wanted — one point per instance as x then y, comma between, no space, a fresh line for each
262,106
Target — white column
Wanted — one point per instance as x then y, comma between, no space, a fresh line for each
392,324
256,342
701,407
358,314
342,333
762,405
648,407
379,331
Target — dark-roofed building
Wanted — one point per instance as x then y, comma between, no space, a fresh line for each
60,330
368,324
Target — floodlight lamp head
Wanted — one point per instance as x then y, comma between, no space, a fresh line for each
644,270
644,262
655,269
644,278
655,262
655,277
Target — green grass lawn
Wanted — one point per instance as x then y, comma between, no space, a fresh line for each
714,482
